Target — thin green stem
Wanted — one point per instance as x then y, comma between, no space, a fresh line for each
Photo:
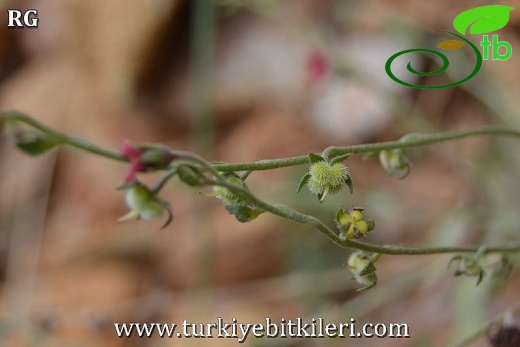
215,169
261,165
295,216
62,139
419,140
163,180
199,160
409,141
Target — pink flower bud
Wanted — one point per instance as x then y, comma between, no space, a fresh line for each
144,159
129,151
132,153
317,66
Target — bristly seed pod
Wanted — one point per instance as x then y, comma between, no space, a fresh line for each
325,177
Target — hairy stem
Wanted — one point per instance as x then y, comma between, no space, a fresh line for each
295,216
215,169
409,141
412,140
17,117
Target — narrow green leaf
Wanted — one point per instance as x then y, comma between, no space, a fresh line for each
457,258
315,158
35,144
303,182
483,19
170,216
323,195
350,185
480,277
368,270
131,215
340,158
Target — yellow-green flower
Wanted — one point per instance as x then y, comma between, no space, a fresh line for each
352,224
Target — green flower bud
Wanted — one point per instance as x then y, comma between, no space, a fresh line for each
143,204
242,211
189,175
394,161
224,194
466,266
363,269
33,142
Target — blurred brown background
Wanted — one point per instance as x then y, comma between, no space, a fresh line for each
237,81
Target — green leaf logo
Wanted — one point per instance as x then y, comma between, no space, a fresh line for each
483,19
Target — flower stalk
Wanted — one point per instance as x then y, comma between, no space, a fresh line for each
213,175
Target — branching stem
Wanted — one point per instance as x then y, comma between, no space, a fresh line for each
215,170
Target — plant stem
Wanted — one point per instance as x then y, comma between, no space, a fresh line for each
418,140
409,141
295,216
62,139
164,179
215,169
412,140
